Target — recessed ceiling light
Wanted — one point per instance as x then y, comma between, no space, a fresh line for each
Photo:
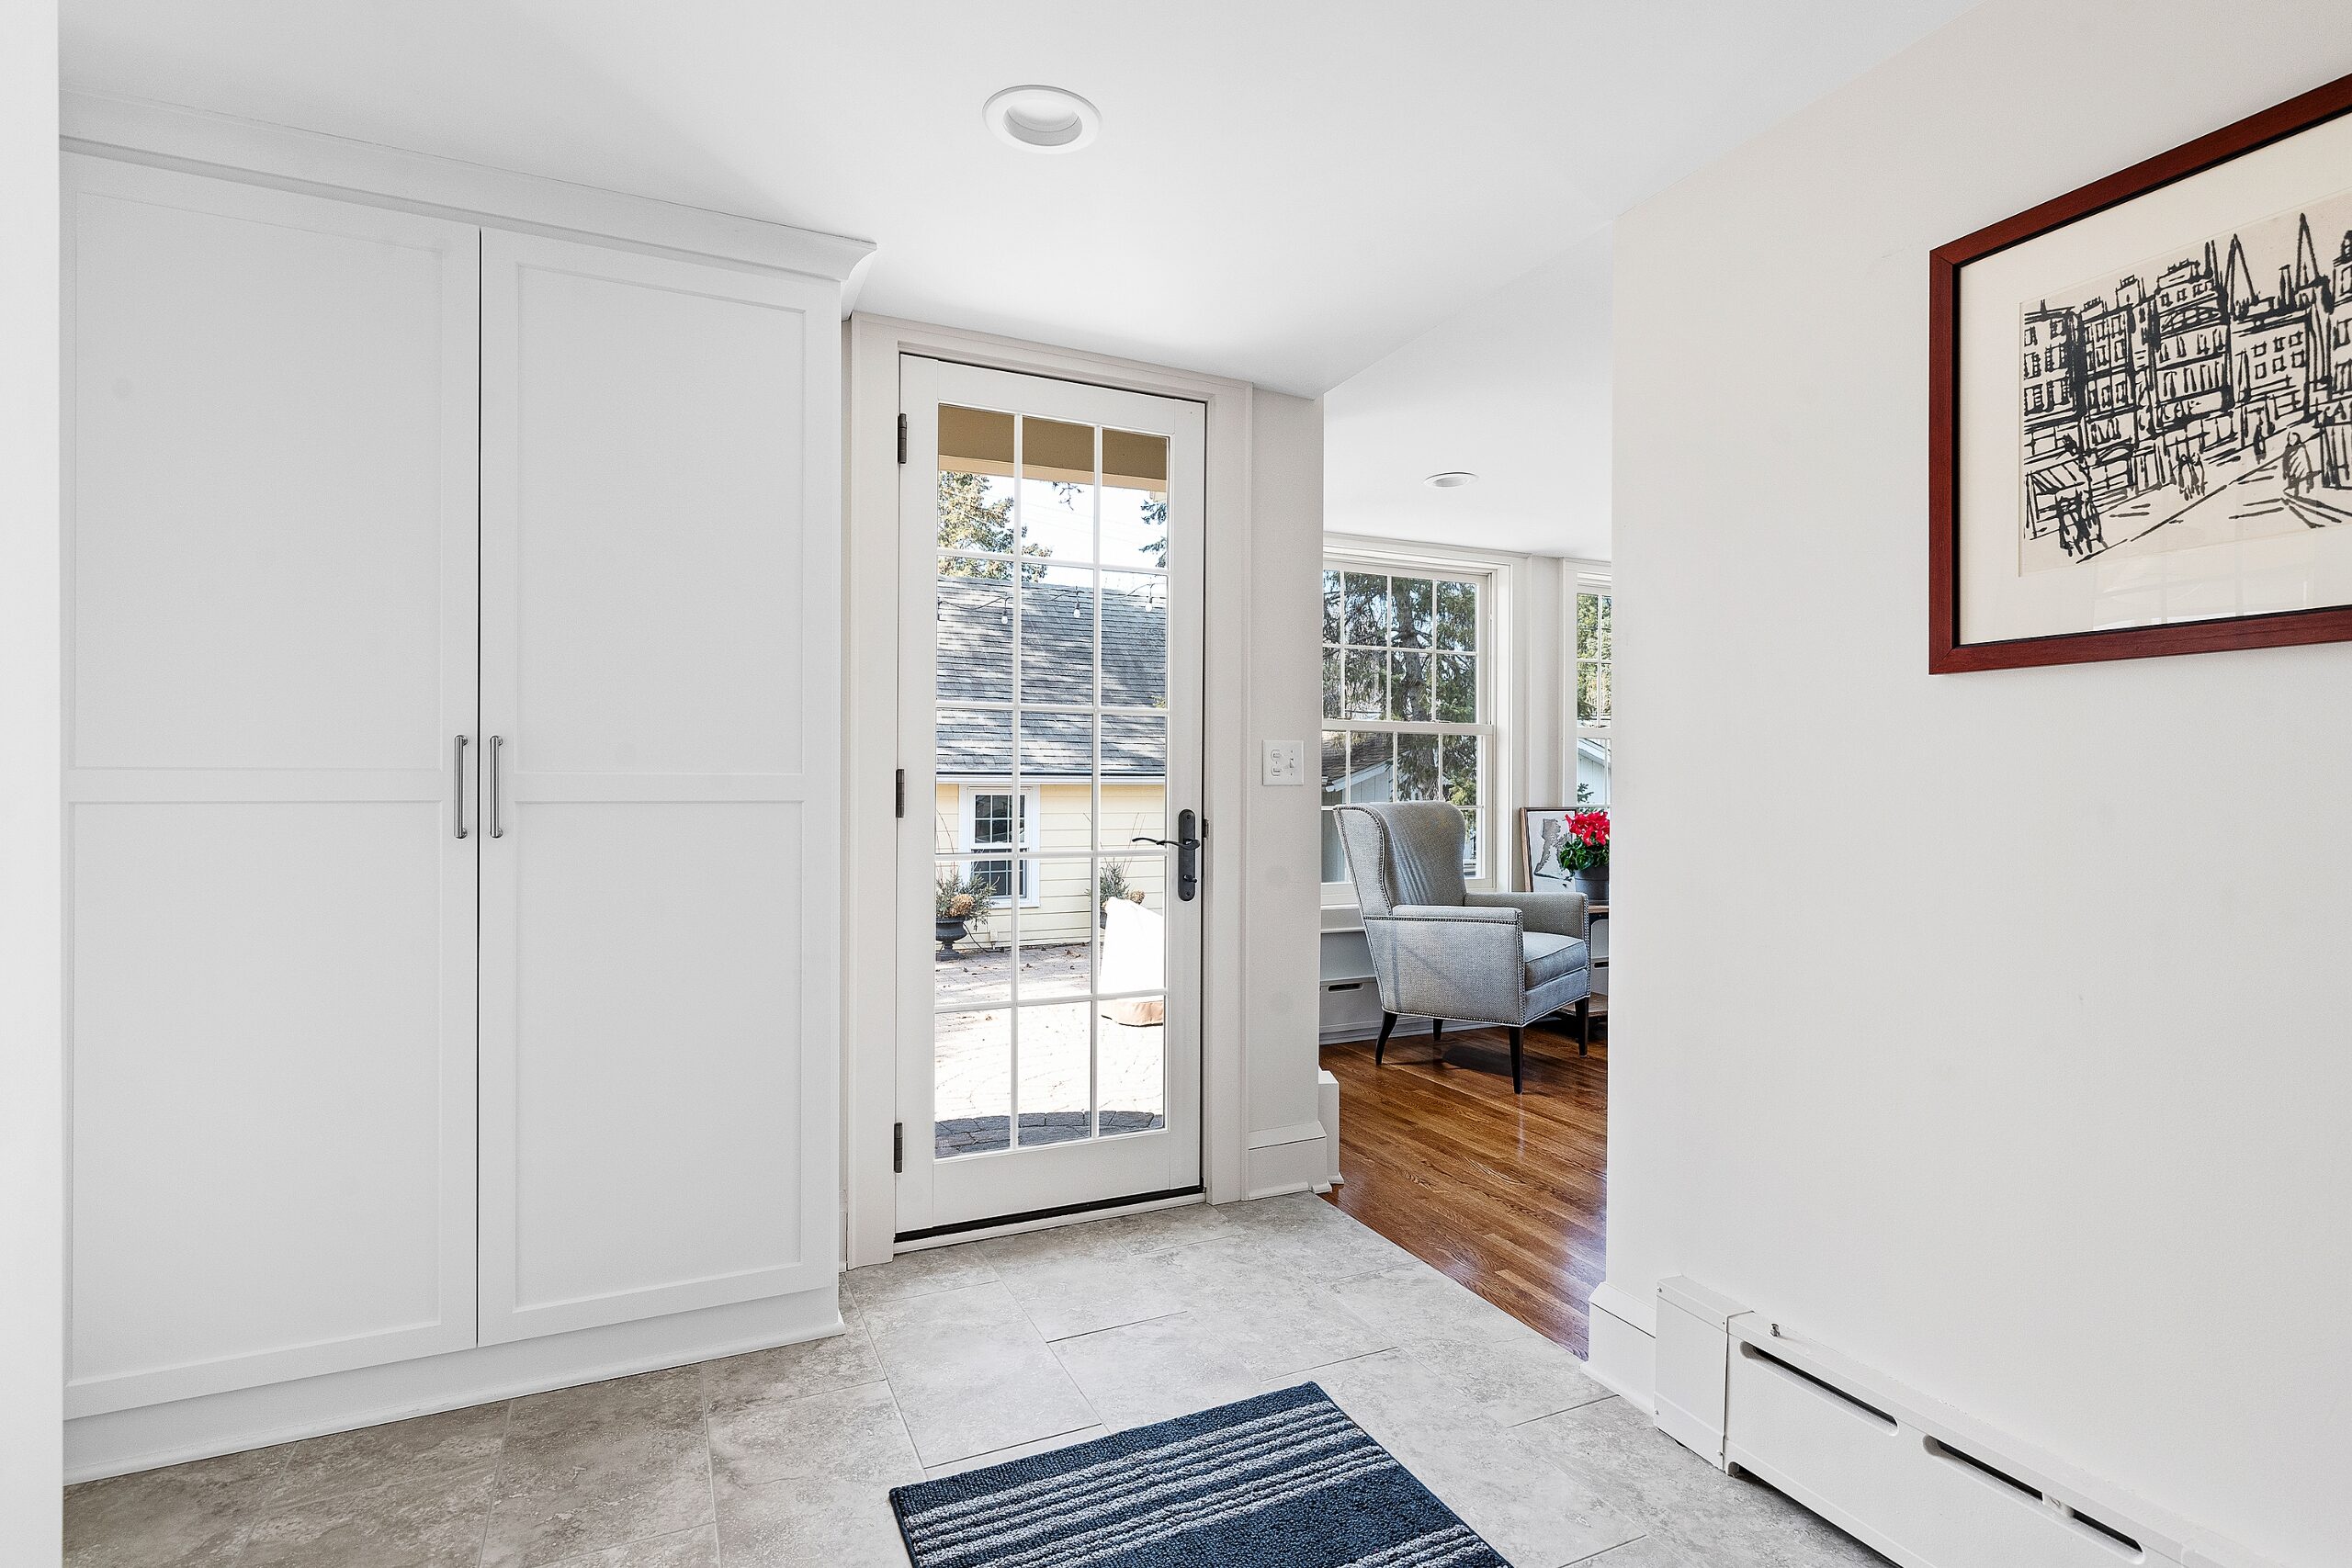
1042,120
1452,478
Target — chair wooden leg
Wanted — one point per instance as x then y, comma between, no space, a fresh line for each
1437,1037
1388,1023
1515,1032
1584,1026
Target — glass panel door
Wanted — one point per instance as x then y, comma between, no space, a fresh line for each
1050,693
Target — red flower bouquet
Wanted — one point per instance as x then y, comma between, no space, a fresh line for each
1587,846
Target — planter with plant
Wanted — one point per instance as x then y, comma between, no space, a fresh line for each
1584,854
962,903
1112,883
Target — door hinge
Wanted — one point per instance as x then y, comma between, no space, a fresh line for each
902,792
898,1148
902,438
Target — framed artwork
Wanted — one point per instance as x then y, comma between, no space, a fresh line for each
1542,828
2141,407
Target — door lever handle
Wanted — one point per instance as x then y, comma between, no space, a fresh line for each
1188,855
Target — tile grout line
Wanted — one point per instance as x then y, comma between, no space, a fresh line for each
1059,1365
905,1430
873,1354
1005,1283
1596,1557
969,1462
897,1407
497,1469
710,1466
1113,1327
1546,1415
260,1511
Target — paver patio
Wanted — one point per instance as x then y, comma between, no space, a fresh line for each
973,1098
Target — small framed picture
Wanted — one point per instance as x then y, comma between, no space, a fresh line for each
1542,829
2140,407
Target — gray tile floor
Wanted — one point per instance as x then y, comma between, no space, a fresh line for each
966,1356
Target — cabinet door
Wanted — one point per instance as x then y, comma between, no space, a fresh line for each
660,576
270,546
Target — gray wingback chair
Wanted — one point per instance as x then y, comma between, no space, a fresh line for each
1440,952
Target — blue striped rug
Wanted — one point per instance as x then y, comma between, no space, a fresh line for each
1281,1481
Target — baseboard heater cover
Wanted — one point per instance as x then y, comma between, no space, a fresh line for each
1914,1479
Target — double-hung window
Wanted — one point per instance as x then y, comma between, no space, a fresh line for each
997,817
1407,696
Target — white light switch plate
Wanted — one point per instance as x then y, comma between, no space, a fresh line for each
1285,762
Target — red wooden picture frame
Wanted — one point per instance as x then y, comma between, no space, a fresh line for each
1946,653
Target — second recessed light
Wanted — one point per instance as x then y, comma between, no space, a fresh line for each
1042,120
1452,478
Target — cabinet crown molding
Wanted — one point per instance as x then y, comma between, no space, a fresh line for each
201,141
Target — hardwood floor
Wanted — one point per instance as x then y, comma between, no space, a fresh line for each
1506,1193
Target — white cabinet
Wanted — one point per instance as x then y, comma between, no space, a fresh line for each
270,650
657,635
347,484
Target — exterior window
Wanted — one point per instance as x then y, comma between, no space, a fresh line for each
992,823
1406,698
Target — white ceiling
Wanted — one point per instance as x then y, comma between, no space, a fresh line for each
1284,190
1514,387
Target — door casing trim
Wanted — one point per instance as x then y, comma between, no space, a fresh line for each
871,590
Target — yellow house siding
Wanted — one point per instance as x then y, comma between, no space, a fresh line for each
1065,911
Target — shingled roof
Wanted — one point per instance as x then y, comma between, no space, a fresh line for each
1057,626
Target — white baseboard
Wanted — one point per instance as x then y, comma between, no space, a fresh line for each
119,1441
1298,1165
1920,1481
1691,1355
1342,1033
1298,1133
1327,1099
1621,1330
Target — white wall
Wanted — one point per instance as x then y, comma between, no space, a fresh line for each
1989,1028
1282,894
31,1117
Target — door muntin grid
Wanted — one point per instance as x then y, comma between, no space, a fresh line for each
1052,678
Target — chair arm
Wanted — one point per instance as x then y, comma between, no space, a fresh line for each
1449,961
1555,914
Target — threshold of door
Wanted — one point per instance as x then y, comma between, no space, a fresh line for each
1045,1219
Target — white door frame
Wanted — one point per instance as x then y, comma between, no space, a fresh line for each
1100,1171
870,830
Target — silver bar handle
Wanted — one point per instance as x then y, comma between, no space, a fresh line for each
457,783
489,791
